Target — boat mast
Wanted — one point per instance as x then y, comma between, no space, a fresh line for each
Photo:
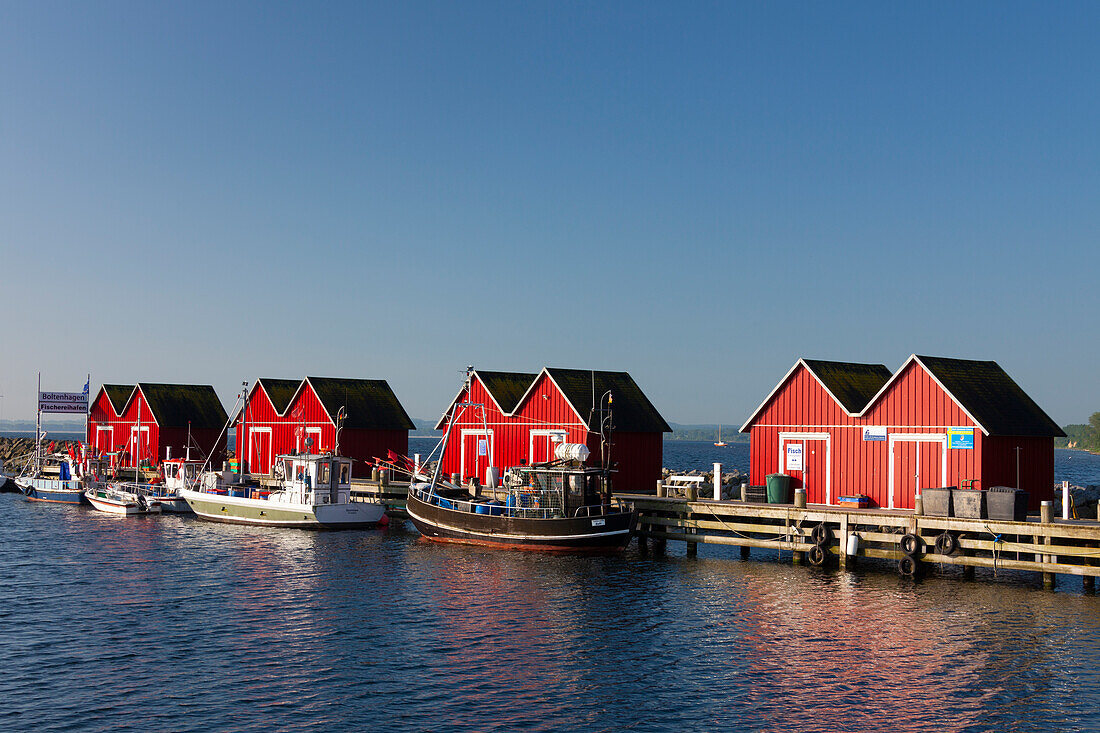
38,429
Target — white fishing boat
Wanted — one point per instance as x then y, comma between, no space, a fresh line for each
312,492
118,499
176,474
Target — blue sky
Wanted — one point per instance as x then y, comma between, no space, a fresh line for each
699,194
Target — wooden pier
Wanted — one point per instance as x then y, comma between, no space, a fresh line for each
821,535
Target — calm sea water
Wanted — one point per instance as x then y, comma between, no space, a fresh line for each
169,623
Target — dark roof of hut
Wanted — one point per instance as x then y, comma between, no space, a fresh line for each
507,388
280,391
368,404
851,384
117,395
180,405
991,397
631,409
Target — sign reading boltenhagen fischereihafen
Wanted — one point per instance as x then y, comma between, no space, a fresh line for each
75,402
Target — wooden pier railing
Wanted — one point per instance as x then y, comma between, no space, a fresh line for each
821,534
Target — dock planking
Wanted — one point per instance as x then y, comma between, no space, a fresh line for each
1069,547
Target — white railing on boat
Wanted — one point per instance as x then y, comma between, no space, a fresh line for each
525,503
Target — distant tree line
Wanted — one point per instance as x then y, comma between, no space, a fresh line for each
1086,437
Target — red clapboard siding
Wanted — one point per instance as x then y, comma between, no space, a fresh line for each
637,456
913,404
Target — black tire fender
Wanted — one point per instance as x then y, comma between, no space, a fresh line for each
907,566
821,534
912,545
816,556
947,544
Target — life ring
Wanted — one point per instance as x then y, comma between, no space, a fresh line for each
821,534
947,544
907,566
912,545
816,556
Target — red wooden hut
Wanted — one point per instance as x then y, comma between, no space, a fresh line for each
153,419
105,418
845,429
284,416
526,415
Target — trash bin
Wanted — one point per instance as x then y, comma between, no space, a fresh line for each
937,501
779,488
968,503
1006,503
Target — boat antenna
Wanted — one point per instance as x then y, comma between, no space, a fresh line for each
341,415
241,398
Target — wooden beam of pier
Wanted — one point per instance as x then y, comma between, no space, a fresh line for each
1067,547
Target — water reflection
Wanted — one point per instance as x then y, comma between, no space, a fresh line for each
170,623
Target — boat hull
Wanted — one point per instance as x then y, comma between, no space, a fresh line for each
70,491
265,512
117,505
604,533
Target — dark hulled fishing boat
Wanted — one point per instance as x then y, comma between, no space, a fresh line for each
541,507
560,505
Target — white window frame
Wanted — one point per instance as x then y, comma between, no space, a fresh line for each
544,434
133,447
270,447
488,434
110,430
918,438
828,438
316,433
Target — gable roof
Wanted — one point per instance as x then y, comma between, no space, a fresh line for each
368,404
177,405
985,392
632,410
118,395
506,389
279,391
852,385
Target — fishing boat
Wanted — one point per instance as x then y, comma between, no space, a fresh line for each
311,492
117,499
721,443
54,478
560,505
176,474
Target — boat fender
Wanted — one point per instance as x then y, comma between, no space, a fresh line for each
143,505
947,544
816,556
912,545
384,521
821,534
907,566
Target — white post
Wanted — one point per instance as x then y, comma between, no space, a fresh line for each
718,482
416,466
1065,500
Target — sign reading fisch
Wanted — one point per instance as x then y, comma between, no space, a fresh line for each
960,438
794,456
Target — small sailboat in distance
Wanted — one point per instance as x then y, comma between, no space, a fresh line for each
721,443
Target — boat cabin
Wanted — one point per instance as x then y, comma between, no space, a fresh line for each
181,473
314,479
